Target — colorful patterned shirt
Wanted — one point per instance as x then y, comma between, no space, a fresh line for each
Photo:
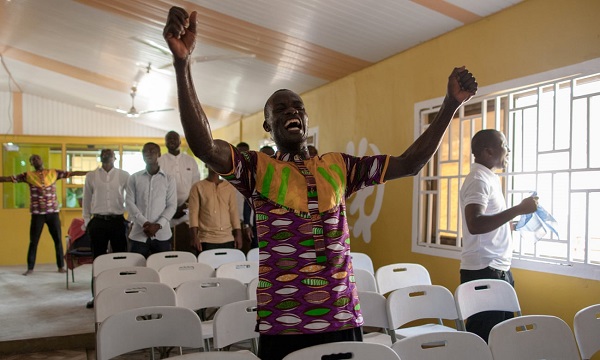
42,189
306,284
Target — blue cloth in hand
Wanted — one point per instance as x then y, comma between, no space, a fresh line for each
537,224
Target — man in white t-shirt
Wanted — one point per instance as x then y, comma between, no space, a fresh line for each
487,242
184,169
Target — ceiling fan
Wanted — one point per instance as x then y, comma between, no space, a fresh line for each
132,112
202,58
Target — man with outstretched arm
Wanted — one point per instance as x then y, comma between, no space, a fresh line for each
306,296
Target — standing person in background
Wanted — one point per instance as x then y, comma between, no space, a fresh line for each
214,218
104,206
487,243
43,206
184,169
300,203
151,203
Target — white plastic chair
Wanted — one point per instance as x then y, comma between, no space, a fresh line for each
209,293
243,271
124,275
218,355
123,297
175,274
374,312
420,302
399,275
485,295
116,260
365,280
217,257
454,345
158,260
252,286
148,327
253,255
362,261
587,330
347,349
533,337
235,322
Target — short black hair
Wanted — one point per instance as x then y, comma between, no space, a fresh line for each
483,139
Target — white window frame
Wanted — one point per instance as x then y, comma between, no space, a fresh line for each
586,271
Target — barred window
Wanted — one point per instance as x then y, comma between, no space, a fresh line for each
551,128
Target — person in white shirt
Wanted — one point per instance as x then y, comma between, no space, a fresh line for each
104,206
184,169
487,243
151,204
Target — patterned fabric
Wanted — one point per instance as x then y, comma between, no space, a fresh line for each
42,189
306,284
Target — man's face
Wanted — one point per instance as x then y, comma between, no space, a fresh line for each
36,161
107,156
151,153
172,141
287,119
499,152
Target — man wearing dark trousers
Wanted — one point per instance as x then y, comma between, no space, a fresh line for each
104,206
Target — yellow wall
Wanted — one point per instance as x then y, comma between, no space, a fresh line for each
378,103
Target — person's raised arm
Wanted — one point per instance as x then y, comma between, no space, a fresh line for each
180,35
461,87
77,173
8,178
479,223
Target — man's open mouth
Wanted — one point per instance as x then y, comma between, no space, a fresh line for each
293,124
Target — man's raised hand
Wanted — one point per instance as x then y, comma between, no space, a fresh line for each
461,85
180,32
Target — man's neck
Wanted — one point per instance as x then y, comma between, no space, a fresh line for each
175,152
107,167
152,169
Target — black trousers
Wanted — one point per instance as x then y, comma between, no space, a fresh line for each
483,322
276,347
35,231
107,229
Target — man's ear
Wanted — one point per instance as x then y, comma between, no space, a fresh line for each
266,127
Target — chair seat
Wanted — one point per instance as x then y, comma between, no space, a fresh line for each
378,338
207,329
421,329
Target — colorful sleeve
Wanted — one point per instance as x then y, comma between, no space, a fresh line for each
242,175
364,171
20,177
60,174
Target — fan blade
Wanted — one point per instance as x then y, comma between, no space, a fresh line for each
153,44
120,111
157,110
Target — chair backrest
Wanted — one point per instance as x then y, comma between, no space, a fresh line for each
148,327
217,257
533,337
234,322
373,308
210,292
345,350
124,275
252,285
587,330
123,297
175,274
217,355
420,302
243,271
253,255
451,345
362,261
485,295
399,275
365,280
158,260
116,260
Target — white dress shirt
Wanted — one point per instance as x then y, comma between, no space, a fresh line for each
151,198
184,169
104,193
